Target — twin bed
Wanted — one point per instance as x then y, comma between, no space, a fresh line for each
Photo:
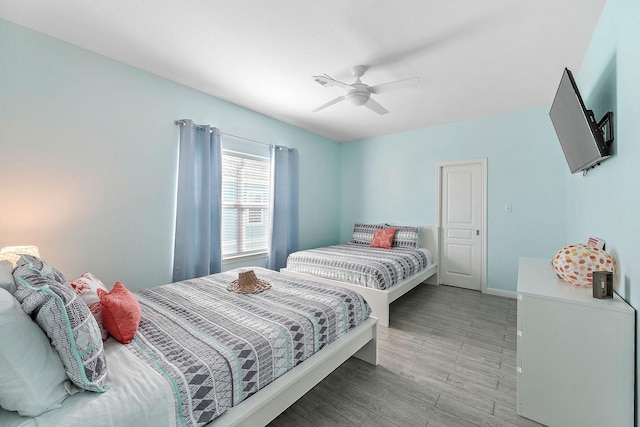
380,275
204,355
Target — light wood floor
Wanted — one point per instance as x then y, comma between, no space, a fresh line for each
447,359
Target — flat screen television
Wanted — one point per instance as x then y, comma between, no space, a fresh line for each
582,138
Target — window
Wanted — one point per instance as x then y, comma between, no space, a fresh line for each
245,204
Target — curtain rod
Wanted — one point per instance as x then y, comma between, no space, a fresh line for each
182,123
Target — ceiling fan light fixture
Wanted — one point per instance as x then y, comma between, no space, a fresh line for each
358,93
358,98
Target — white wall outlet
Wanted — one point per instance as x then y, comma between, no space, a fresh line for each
507,208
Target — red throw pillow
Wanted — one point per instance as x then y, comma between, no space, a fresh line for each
120,312
383,238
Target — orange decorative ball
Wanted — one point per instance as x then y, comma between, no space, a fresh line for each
576,263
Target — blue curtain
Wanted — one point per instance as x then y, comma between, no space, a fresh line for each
284,206
198,250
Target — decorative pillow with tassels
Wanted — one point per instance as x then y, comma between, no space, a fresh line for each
121,312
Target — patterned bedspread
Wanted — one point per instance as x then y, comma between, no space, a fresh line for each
360,264
216,348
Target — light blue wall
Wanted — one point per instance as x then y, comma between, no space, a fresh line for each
102,159
607,198
88,159
606,203
393,179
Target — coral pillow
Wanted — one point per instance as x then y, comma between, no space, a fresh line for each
383,238
576,263
120,312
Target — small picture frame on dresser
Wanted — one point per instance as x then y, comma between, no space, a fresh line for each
602,284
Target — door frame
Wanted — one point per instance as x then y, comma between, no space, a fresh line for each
483,210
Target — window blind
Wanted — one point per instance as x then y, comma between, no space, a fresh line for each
245,204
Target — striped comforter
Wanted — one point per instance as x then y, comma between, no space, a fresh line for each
361,264
216,348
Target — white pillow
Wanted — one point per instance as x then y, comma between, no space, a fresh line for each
6,276
32,378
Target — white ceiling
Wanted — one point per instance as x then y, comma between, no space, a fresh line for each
475,58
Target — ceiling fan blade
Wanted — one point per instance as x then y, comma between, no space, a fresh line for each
329,104
326,81
373,105
400,84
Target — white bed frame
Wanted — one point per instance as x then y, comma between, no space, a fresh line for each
261,408
379,299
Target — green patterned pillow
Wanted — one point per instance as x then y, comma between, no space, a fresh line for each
66,320
35,264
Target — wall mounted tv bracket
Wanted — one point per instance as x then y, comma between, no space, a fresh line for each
606,123
605,127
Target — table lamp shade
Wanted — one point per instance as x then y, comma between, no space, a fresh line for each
12,253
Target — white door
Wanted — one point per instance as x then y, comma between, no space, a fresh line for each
462,224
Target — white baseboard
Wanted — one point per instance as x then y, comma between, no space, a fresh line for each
501,293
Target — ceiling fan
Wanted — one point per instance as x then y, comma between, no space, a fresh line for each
358,93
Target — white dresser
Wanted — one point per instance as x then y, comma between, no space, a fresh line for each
575,353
